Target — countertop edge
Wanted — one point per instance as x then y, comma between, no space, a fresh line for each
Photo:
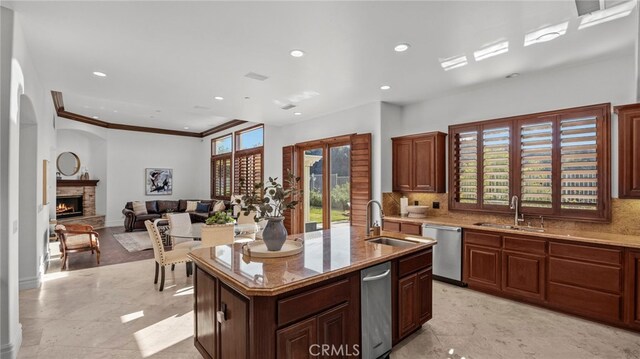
592,238
270,292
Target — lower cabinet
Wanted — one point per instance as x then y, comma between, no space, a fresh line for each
295,340
414,301
482,267
523,274
632,308
402,227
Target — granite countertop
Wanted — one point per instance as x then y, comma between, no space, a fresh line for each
326,254
614,239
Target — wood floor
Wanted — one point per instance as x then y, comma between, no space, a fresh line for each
111,252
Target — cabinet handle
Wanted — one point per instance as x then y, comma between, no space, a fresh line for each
221,315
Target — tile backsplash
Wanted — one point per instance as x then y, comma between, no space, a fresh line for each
625,214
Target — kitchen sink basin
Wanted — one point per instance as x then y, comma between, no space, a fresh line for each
392,242
513,228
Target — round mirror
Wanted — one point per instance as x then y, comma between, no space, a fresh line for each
68,163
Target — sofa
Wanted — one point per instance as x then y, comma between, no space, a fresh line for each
155,209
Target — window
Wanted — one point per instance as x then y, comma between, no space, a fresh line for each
221,157
248,159
557,163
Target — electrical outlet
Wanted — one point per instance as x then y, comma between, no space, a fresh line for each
435,205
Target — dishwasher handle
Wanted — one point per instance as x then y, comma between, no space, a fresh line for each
376,277
453,229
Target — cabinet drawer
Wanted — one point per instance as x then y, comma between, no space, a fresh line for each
410,228
583,301
483,239
313,301
526,245
586,275
414,262
391,226
593,254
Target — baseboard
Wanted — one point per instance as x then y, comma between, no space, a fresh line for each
31,282
118,223
10,350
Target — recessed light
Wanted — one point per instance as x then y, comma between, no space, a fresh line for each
115,111
186,127
510,76
219,98
99,74
95,117
385,87
402,47
247,98
545,34
297,113
296,53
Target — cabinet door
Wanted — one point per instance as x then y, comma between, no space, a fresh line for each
523,274
482,267
295,340
629,150
402,165
424,164
390,226
332,330
425,295
410,228
633,289
205,310
234,331
407,304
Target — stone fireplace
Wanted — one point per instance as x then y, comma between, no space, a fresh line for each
76,203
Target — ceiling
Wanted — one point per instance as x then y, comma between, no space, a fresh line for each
166,61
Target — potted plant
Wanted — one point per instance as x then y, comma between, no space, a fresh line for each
269,201
219,218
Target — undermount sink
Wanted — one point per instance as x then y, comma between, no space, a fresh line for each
392,242
508,226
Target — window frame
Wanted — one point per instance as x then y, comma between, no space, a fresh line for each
217,157
213,141
602,112
238,133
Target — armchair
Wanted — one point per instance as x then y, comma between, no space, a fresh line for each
77,238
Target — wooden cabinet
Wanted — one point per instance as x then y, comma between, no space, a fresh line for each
295,340
419,163
414,293
632,300
402,227
235,326
482,267
629,150
205,312
333,328
523,274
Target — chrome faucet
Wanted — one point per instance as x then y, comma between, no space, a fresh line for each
514,205
369,216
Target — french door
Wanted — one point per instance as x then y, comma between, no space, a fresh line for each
325,169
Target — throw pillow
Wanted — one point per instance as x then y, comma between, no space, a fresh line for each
202,207
219,206
192,206
139,208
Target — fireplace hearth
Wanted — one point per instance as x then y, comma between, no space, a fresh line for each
69,206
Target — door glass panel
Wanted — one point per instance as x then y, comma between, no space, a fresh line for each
312,187
340,185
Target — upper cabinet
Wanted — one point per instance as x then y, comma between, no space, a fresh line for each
419,163
629,150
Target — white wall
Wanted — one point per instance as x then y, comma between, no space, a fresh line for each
127,155
360,119
605,80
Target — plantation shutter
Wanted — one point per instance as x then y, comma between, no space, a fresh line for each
496,159
536,164
248,169
579,163
288,163
360,178
464,175
221,176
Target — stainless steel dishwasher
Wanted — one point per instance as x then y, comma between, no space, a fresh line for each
375,300
447,253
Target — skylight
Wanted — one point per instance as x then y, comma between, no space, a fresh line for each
491,50
546,34
606,15
453,62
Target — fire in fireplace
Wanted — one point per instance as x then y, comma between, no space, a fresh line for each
68,206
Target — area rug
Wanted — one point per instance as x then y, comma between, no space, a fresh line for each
134,241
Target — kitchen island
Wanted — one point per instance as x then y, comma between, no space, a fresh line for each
294,307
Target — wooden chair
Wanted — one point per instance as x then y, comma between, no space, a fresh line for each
164,258
77,238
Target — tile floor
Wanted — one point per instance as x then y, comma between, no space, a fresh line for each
116,312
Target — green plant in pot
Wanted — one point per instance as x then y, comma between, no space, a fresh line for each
269,201
219,218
